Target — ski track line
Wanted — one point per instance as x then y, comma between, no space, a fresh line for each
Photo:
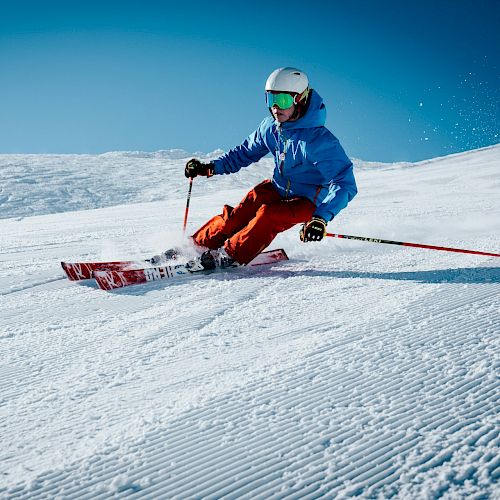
117,303
23,248
292,420
76,305
34,285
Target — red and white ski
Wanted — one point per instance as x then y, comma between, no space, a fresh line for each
76,271
109,279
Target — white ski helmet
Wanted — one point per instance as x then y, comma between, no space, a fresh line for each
287,80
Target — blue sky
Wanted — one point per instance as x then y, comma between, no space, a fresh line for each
402,80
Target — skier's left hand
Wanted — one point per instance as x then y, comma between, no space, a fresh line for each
314,230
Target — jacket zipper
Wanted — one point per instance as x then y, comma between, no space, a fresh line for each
282,164
287,188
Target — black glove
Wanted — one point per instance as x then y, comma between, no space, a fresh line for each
314,230
195,168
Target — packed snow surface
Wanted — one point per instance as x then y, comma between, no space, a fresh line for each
354,369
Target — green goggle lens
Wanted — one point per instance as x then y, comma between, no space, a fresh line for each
283,101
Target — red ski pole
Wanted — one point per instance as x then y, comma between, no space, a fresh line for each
415,245
187,205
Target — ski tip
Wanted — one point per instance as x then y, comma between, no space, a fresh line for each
284,254
278,254
269,257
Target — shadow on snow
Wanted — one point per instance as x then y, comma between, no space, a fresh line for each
455,276
460,275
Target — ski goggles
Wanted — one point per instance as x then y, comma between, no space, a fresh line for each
282,100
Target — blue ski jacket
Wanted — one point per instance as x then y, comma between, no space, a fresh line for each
309,160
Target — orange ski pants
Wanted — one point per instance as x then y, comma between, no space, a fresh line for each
246,230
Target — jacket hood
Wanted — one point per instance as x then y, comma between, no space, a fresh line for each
315,115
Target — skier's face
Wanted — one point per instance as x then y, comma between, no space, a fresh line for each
282,115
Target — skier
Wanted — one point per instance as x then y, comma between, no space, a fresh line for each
312,182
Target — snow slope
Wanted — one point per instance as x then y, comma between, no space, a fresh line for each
354,369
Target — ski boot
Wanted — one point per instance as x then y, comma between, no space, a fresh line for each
210,260
170,254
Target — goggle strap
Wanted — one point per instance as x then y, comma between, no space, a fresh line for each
301,97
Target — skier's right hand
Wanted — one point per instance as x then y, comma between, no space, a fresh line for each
314,230
194,168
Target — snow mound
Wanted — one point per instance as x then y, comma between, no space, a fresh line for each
164,154
47,184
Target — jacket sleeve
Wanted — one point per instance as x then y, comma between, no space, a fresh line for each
336,169
252,149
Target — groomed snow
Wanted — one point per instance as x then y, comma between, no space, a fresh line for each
354,369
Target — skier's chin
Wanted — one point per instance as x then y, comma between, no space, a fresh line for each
280,117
